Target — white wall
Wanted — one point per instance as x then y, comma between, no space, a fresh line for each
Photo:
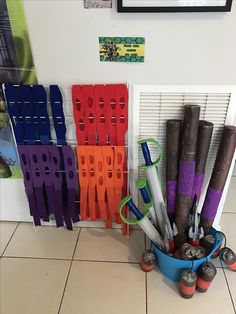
186,48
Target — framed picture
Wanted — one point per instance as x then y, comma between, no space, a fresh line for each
174,5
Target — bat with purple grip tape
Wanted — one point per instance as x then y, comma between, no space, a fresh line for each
218,178
173,135
186,174
205,130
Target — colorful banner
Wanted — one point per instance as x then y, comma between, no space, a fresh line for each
121,49
16,66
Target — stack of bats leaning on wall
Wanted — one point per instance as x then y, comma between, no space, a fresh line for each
187,148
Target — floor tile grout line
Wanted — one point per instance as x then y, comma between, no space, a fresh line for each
229,213
38,258
112,262
68,275
146,293
10,239
50,226
79,227
78,260
76,244
230,294
68,259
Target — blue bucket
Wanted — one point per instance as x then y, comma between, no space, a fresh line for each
172,267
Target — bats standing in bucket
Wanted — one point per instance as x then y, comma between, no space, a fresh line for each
173,130
186,171
205,130
219,175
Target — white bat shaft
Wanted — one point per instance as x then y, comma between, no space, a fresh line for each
151,232
153,216
157,195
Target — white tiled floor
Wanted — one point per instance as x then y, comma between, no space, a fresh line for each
230,277
109,245
75,272
104,288
42,242
6,231
32,285
162,294
94,271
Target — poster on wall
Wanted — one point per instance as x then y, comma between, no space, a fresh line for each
90,4
121,49
16,66
174,5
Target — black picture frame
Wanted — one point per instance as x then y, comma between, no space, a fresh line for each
226,8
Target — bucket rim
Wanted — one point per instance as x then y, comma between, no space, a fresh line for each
218,237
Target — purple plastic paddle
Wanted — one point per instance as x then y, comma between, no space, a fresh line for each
71,181
35,153
29,189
